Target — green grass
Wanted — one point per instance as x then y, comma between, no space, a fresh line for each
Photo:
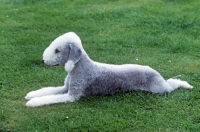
164,34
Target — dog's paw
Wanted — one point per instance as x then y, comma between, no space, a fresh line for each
35,102
31,95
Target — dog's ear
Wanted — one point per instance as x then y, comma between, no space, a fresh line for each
75,53
74,56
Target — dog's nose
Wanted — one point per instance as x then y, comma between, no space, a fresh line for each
43,61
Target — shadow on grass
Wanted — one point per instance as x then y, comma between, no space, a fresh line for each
133,98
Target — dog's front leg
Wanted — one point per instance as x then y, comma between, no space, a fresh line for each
54,99
49,90
75,91
50,99
45,91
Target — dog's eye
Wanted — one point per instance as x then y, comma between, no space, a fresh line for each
57,51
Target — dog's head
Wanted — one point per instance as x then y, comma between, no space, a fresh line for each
64,50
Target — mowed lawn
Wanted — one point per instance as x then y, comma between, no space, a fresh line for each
164,34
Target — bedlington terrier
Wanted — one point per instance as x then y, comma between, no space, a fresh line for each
87,77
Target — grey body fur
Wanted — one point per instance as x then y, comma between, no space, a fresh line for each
97,78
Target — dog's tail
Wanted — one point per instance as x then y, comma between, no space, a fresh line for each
177,83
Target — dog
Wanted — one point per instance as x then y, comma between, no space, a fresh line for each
87,77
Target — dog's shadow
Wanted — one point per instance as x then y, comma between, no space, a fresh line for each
134,99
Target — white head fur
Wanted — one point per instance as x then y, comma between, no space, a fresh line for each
58,52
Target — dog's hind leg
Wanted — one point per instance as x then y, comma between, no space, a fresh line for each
160,85
176,83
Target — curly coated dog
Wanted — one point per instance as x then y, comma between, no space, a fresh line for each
87,77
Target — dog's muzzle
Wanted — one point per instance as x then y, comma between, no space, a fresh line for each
49,65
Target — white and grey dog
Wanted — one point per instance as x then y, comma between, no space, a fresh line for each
86,77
